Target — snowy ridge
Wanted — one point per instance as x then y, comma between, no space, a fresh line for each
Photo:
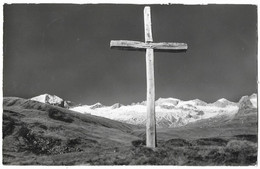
170,112
53,100
46,98
178,116
253,99
223,103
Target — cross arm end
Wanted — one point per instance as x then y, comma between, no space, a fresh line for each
126,44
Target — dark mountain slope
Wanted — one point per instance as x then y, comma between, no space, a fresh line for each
32,129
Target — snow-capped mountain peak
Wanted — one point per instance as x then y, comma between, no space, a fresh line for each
170,112
53,100
47,98
223,103
116,106
96,105
222,100
167,101
248,101
253,99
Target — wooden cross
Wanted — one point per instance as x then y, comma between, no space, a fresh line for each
149,46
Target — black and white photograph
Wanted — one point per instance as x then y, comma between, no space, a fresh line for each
113,84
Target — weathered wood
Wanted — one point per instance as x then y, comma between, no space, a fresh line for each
147,24
150,47
134,45
150,97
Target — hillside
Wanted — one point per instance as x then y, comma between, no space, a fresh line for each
31,129
36,133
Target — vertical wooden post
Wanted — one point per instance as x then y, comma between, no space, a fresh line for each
150,122
147,25
149,45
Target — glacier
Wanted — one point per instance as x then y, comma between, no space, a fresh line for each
170,112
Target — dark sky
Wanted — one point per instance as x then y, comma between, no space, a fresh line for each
64,50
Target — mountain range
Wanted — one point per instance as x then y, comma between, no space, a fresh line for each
170,112
45,131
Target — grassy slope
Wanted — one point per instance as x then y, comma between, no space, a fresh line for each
32,129
223,127
36,133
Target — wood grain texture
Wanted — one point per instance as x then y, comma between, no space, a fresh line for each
150,47
150,121
147,24
128,44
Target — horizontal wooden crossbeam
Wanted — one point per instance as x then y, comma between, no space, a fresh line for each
137,45
150,47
